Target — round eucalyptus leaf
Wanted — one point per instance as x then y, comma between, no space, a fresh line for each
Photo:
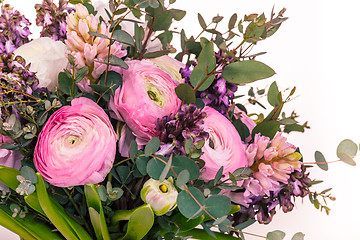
347,146
188,203
218,205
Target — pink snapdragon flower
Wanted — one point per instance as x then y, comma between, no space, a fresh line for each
223,147
77,145
9,158
147,93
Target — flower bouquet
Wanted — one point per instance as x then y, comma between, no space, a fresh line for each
109,132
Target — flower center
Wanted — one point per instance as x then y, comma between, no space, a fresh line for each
163,188
155,94
73,140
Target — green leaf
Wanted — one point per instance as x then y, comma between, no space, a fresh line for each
232,21
155,167
242,129
298,236
156,54
201,234
185,93
183,178
65,83
188,206
275,235
268,129
162,21
142,3
274,96
246,71
141,163
60,221
26,228
8,177
166,169
133,149
98,35
80,74
123,37
294,127
218,205
346,158
116,61
321,161
206,63
184,223
347,146
140,223
139,36
201,21
177,14
245,224
152,146
96,212
29,174
218,175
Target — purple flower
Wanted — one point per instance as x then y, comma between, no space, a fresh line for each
221,93
52,19
14,30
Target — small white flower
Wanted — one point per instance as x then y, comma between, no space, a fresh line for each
160,195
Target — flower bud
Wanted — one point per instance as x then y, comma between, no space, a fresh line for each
81,11
84,29
160,195
72,22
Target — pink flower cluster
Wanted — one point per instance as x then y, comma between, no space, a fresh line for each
272,162
86,48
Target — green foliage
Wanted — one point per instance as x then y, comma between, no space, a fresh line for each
190,203
218,205
96,212
246,72
347,147
268,129
140,223
298,236
275,235
185,93
123,37
202,75
321,161
274,96
152,146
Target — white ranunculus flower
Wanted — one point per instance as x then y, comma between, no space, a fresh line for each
47,58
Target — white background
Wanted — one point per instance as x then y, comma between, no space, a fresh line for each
317,51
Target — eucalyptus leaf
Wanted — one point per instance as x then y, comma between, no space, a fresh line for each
188,204
152,146
201,21
298,236
246,72
347,146
185,93
346,158
218,205
273,96
275,235
321,161
183,178
268,129
123,37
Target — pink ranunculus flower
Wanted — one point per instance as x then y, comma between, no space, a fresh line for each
147,93
9,158
223,147
77,145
